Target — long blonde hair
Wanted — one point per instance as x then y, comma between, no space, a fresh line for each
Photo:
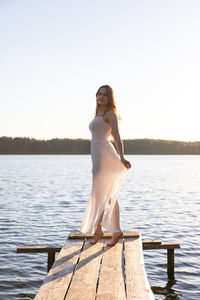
111,101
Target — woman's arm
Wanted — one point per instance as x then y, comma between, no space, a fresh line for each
115,130
112,119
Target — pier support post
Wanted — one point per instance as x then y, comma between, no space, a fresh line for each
170,263
51,259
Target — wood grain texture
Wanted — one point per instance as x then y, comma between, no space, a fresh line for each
56,283
79,235
37,249
83,271
137,285
111,282
163,245
83,286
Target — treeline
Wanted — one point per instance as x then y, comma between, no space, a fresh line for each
18,145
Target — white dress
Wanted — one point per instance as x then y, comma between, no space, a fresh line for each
108,175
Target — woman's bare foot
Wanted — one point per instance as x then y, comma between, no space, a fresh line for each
97,235
115,238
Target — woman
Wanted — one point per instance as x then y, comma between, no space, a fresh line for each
109,169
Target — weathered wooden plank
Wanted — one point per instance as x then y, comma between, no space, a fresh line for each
83,285
38,249
137,285
170,263
56,283
154,242
111,282
50,260
163,245
79,235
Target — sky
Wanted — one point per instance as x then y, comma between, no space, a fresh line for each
54,55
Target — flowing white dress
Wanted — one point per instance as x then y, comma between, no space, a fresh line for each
108,175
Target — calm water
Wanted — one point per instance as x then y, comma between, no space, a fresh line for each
42,199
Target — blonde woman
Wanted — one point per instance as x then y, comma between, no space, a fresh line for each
109,167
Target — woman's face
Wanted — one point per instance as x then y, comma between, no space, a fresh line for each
102,97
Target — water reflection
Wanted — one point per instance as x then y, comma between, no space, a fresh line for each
167,291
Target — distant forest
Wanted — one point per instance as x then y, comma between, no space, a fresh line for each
19,145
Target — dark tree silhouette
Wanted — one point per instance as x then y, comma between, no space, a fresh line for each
24,145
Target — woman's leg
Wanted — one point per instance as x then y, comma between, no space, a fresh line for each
98,232
117,234
116,218
101,217
99,222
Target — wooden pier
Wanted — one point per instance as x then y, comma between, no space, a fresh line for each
83,271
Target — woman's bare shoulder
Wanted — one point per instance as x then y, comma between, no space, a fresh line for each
110,113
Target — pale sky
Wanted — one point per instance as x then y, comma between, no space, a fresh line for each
54,55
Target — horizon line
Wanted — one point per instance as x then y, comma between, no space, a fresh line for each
79,138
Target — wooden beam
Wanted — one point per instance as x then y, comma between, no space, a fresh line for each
50,260
37,249
147,244
170,263
151,242
79,235
163,245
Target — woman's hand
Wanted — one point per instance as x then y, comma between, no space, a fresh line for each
126,163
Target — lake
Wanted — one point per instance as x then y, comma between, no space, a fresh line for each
43,197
